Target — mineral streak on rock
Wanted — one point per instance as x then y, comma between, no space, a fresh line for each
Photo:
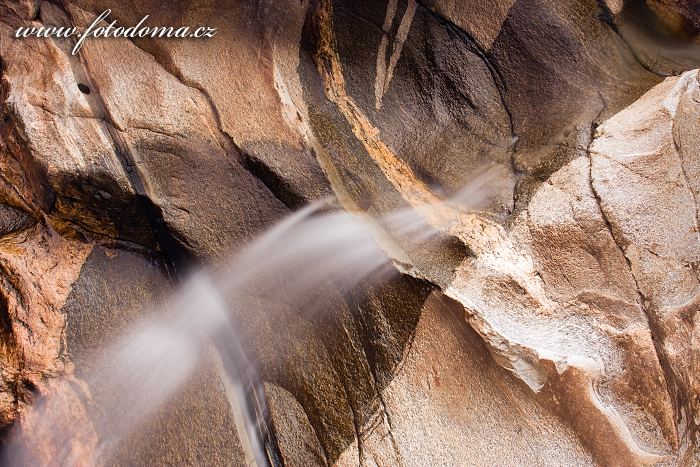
554,325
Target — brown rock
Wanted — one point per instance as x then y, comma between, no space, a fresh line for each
556,326
645,174
296,437
34,289
116,290
482,20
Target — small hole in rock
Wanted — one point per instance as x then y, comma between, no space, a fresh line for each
83,88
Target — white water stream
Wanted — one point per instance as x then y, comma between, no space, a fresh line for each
139,372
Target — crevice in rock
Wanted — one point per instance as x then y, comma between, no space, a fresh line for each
174,254
370,357
672,384
151,213
355,422
497,78
8,341
105,239
254,166
283,190
53,113
152,130
679,149
112,242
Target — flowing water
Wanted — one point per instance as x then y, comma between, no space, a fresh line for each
133,377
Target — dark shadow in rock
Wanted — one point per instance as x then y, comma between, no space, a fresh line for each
295,183
100,207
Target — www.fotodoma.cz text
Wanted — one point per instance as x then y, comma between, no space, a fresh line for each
110,29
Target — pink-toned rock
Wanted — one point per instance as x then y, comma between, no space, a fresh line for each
556,327
645,173
38,268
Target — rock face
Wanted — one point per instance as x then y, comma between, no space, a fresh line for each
556,326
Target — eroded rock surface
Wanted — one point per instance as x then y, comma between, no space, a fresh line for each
556,326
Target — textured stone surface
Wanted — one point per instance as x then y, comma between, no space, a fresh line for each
298,443
108,297
445,360
648,190
482,20
556,326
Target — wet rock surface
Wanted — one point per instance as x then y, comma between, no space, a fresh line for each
556,325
